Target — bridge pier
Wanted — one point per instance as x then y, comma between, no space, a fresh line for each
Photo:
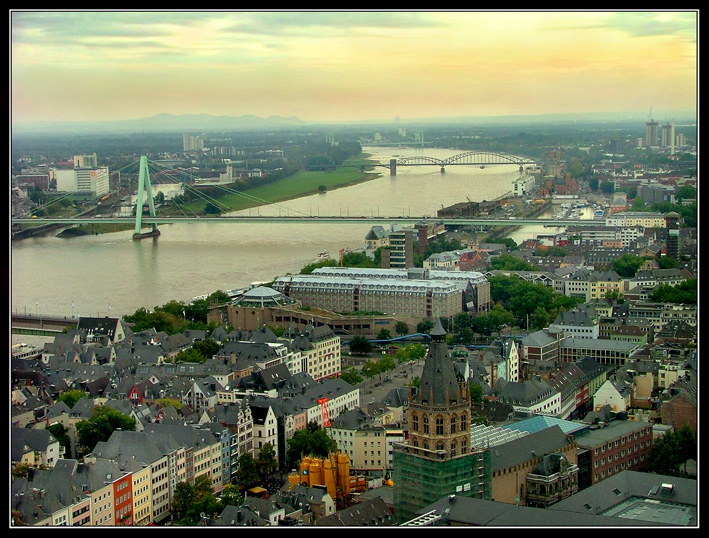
443,169
392,167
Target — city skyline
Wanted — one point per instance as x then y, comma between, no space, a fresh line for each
340,66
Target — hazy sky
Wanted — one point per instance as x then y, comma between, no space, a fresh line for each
344,66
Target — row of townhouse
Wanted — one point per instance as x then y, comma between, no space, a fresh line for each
128,480
368,436
561,393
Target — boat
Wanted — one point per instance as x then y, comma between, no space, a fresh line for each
322,256
25,351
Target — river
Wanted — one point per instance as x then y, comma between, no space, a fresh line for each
112,275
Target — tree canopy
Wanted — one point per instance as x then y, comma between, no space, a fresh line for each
99,427
683,293
669,452
310,441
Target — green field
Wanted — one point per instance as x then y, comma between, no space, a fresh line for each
303,183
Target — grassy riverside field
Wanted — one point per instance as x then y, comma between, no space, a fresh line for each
303,183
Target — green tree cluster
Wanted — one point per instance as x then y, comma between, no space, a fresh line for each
360,345
351,376
509,262
627,265
70,397
523,299
683,293
309,441
176,316
191,500
199,352
668,453
99,427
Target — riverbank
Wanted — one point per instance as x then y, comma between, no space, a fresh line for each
301,184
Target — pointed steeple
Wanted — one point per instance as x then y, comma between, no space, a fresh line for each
439,383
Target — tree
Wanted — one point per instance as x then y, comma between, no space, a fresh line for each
410,352
510,262
189,355
70,397
61,434
359,345
267,462
310,441
669,452
21,470
401,328
384,334
499,317
627,265
666,262
182,500
510,243
99,427
424,327
683,293
351,376
247,470
230,496
370,369
386,364
476,392
607,187
211,209
191,500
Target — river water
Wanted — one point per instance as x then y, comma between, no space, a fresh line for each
111,274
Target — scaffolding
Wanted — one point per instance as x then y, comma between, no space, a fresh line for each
420,480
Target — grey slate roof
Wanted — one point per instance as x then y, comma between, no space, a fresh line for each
528,447
370,513
439,383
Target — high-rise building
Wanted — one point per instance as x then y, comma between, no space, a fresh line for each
438,459
192,143
401,249
652,134
672,242
667,139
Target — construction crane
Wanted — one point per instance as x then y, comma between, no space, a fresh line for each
342,256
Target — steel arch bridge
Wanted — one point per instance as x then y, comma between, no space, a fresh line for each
477,158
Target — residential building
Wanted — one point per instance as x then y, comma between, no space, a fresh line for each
636,218
35,447
531,397
581,322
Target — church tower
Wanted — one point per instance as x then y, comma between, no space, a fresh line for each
437,460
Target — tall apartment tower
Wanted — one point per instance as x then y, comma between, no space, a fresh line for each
672,242
652,134
667,139
192,143
437,460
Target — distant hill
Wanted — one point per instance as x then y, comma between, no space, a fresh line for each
198,123
162,123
